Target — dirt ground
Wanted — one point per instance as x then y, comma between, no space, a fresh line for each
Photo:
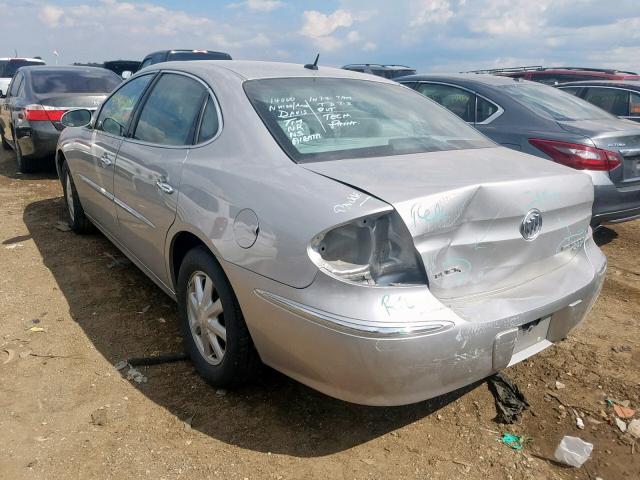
66,412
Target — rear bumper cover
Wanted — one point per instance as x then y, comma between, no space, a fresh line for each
614,205
38,140
386,360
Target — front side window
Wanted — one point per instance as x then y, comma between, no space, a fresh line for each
320,119
459,101
169,115
116,111
612,100
553,103
74,81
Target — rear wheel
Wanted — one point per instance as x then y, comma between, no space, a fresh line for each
76,218
5,145
215,333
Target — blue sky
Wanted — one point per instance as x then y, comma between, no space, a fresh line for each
431,35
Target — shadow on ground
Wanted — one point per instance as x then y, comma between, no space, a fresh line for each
125,315
604,235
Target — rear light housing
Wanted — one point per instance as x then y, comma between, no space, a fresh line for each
376,250
43,113
580,157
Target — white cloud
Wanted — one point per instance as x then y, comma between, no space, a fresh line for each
510,17
259,5
353,36
431,11
369,46
51,15
317,24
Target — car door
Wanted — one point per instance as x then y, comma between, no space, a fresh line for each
149,166
93,167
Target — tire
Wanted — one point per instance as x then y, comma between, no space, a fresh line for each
25,164
5,145
235,360
76,218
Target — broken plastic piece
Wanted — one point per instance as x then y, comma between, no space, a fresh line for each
573,451
510,401
513,441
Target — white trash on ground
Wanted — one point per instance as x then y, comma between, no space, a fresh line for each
573,451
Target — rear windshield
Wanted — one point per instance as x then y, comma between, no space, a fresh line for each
82,81
8,67
176,56
554,103
318,119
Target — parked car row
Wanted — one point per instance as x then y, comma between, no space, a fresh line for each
337,226
546,122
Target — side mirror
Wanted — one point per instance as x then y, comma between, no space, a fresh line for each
76,118
2,95
126,74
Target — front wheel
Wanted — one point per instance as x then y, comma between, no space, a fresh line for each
215,333
76,218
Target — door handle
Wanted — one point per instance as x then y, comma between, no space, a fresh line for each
164,186
105,160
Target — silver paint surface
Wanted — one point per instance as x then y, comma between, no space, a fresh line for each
377,345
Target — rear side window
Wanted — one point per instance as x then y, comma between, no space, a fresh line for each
116,111
210,123
169,114
571,90
461,102
612,100
15,85
484,109
634,105
74,81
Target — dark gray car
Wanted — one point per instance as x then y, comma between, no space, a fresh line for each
36,100
546,122
618,97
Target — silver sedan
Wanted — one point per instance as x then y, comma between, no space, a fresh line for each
336,226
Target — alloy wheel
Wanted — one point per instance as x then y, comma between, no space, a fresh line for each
69,195
206,318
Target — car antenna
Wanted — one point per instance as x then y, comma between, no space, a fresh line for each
314,65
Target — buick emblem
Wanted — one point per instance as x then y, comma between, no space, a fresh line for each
531,224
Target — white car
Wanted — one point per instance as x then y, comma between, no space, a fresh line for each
8,67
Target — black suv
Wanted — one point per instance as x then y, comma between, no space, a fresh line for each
179,55
386,71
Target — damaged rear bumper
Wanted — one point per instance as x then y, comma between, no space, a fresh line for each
405,346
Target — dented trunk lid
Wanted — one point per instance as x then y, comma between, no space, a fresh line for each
464,210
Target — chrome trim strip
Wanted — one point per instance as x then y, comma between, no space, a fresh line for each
116,200
96,187
352,326
133,212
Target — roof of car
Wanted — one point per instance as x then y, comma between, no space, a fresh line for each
635,84
379,66
61,68
250,70
171,50
462,78
21,58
